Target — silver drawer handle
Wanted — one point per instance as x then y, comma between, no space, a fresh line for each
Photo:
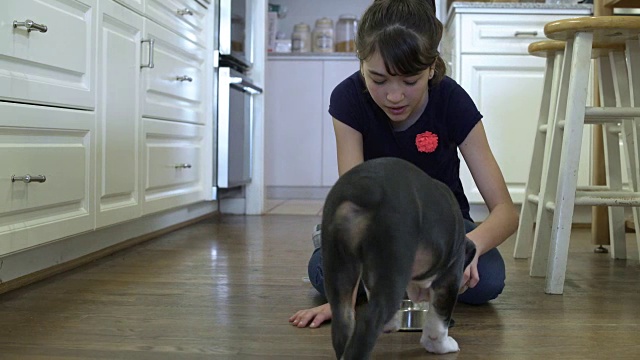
183,166
184,12
184,78
152,43
30,25
28,178
526,33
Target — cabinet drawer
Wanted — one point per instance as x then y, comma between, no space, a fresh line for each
186,17
173,164
174,87
491,34
52,67
37,212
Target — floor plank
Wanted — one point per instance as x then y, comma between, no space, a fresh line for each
225,287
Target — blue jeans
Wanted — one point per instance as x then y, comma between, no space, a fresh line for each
490,267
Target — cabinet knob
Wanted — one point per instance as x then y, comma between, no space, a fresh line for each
183,166
184,12
30,25
28,178
184,78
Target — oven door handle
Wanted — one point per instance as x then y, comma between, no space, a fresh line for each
241,84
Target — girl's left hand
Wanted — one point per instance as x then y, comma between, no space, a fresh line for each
471,276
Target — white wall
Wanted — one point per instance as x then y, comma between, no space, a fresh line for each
309,11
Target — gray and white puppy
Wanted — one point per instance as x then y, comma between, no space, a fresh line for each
389,224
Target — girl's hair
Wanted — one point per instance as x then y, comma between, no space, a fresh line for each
406,34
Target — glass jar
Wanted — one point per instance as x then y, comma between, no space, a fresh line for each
346,29
322,37
301,38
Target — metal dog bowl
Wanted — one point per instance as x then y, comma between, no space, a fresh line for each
412,315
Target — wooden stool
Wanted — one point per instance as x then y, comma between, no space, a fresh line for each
553,51
558,193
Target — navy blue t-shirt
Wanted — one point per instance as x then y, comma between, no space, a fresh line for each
431,143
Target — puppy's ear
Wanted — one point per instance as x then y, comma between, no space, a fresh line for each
469,251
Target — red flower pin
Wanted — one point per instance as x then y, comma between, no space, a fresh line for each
427,142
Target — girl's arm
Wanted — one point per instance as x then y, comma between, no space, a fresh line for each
349,146
503,217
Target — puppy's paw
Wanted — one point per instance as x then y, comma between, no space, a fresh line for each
394,324
443,345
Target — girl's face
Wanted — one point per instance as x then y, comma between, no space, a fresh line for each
401,97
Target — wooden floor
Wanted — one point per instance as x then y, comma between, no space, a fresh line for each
224,289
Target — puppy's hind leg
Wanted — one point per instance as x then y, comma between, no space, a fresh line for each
385,273
435,333
341,235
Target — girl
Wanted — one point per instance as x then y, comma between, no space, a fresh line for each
401,104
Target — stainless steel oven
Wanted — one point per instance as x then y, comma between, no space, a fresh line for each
236,42
235,127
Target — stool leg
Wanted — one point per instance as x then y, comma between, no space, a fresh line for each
610,89
549,182
570,160
632,53
527,214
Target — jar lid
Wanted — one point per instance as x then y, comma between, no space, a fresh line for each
301,27
324,22
348,17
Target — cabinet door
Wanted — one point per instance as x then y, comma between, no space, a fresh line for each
173,165
174,88
334,72
117,134
508,90
137,5
53,67
54,143
293,123
185,17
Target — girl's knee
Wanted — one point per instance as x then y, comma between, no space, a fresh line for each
316,275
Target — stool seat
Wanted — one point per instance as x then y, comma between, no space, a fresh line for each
605,29
546,48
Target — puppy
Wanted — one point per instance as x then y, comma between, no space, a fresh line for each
389,224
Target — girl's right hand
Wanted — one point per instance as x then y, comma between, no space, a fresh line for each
316,316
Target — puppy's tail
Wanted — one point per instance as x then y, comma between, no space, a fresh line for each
354,211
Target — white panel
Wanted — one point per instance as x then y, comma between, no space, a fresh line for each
334,73
293,123
118,115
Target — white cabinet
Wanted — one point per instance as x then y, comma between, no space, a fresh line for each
300,143
487,55
173,159
118,115
293,118
174,87
112,139
52,146
185,17
55,67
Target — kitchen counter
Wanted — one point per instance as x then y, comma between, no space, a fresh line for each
518,8
530,8
312,56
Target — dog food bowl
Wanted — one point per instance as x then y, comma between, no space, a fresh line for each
412,315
